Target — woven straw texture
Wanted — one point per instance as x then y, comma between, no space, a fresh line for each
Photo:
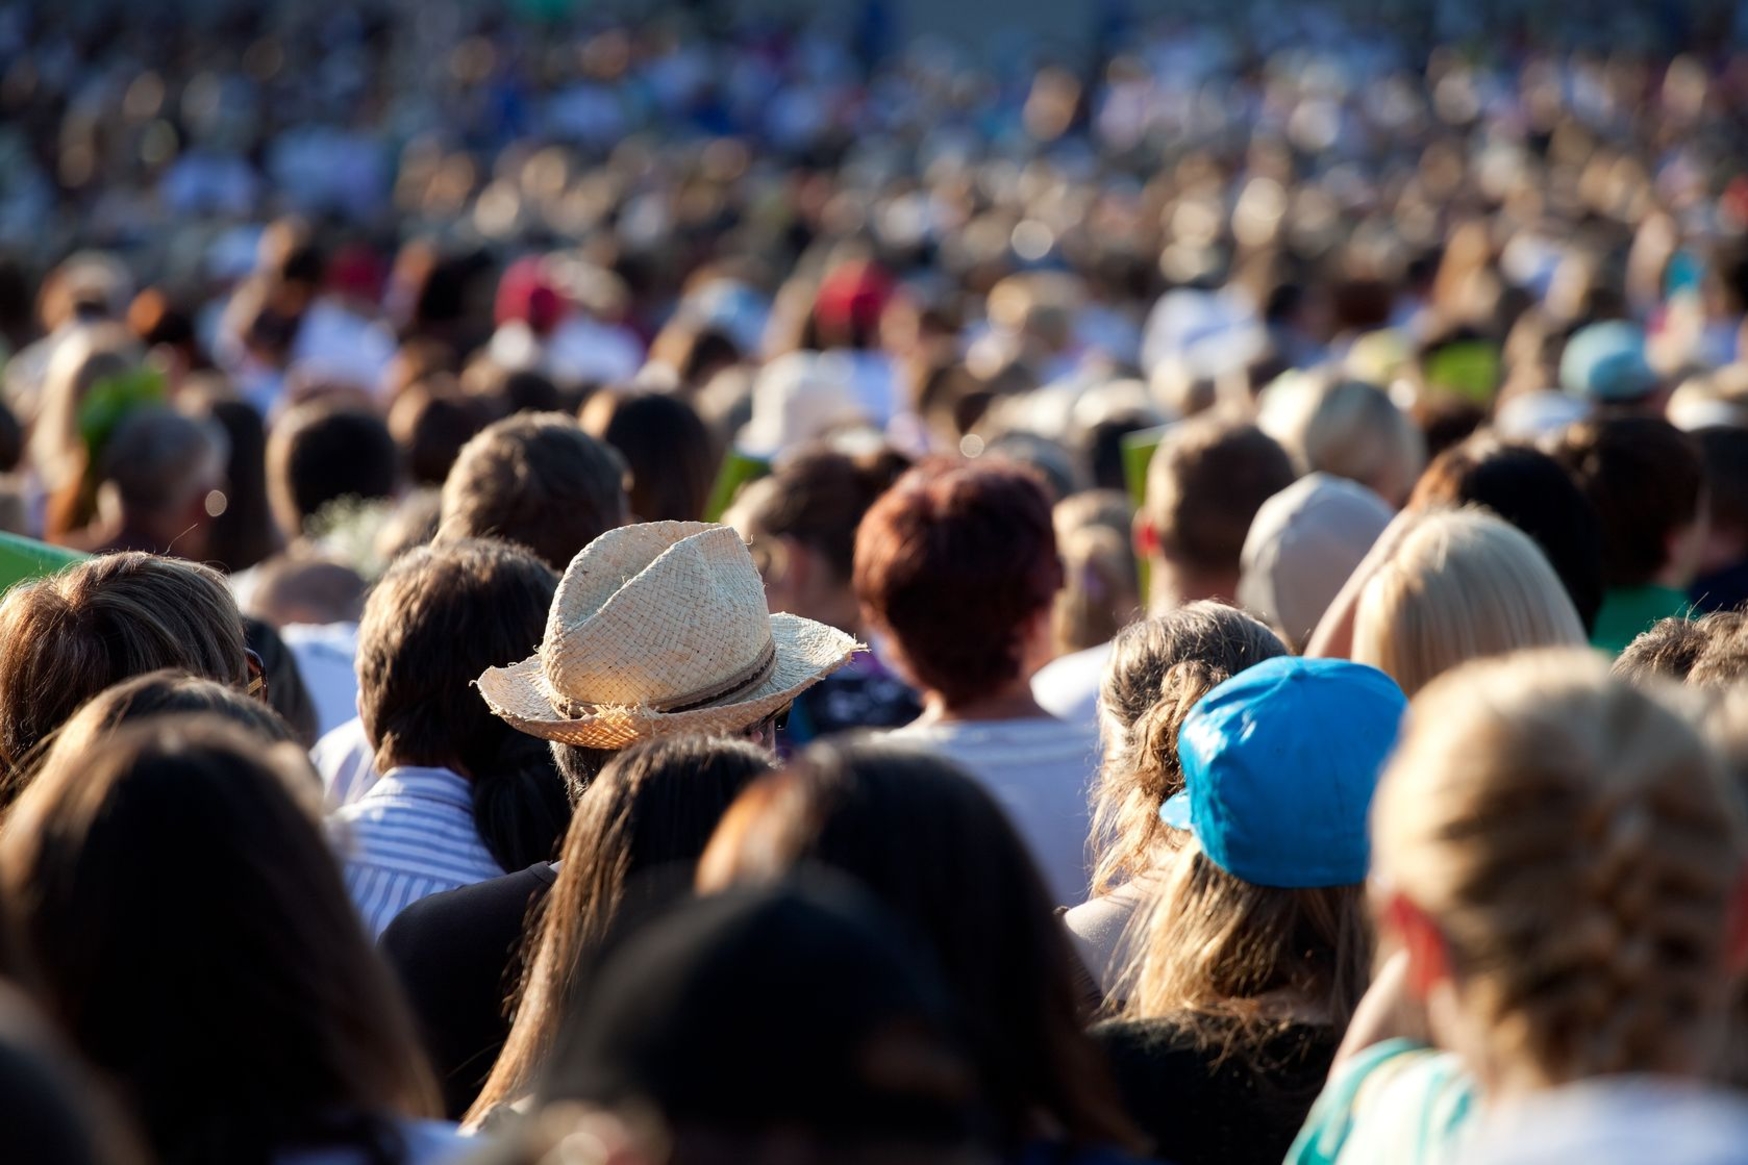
648,617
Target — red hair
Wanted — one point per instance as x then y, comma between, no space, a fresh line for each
953,562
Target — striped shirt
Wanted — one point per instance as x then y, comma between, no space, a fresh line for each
410,837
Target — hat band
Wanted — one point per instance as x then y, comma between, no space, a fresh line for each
742,681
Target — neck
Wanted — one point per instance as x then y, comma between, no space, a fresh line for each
1012,701
1174,584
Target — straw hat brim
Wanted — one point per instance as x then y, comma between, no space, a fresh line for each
807,652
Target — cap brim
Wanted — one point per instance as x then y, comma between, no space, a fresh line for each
1176,811
807,652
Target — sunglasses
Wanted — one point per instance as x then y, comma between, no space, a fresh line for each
257,675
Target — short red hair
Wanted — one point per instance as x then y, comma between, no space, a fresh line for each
952,562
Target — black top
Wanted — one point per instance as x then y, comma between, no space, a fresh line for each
1202,1109
459,955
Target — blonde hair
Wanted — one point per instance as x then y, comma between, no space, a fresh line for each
1347,428
1159,668
1462,584
1577,846
1101,591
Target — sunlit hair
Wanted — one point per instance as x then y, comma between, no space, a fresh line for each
1159,668
1710,652
654,805
1352,430
1462,585
1576,844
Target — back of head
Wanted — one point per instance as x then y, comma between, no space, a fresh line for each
1646,479
671,454
956,562
1725,450
198,944
1303,545
932,845
1578,848
318,454
1159,668
817,496
537,480
1349,429
68,637
1536,494
1462,585
298,588
1100,591
438,618
431,422
1711,652
160,461
1205,483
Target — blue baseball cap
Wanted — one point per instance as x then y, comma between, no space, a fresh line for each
1606,362
1279,765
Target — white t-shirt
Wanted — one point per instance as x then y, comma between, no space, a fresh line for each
1100,930
1040,771
1069,687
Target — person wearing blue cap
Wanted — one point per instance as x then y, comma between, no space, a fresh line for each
1257,948
1605,365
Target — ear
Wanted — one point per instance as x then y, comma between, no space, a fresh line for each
1428,957
1145,537
1736,928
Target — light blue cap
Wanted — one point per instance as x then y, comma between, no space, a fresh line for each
1606,362
1279,766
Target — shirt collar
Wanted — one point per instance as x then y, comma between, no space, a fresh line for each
431,784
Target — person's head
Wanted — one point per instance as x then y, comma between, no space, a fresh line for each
1346,428
430,423
318,454
957,565
245,533
159,474
1533,492
538,480
792,1025
1646,479
1302,546
1158,669
65,638
1265,904
1560,857
1725,451
671,454
644,819
1710,652
1462,584
801,522
933,846
169,693
196,942
1205,483
1100,589
300,588
439,617
1605,365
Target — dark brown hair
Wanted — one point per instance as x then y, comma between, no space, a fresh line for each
929,842
197,944
439,617
320,453
1205,483
1645,477
538,480
654,805
818,496
671,454
952,562
65,638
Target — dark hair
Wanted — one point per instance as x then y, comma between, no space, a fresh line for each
1711,652
287,694
67,637
538,480
11,440
929,842
243,535
952,562
158,459
172,693
1205,483
1536,494
1725,450
671,454
1645,478
818,497
653,807
319,453
439,617
431,422
197,943
53,1111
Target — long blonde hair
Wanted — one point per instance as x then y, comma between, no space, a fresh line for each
1462,585
1159,668
1576,844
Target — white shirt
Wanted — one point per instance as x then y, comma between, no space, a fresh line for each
1068,687
410,837
1040,771
325,656
347,764
1100,930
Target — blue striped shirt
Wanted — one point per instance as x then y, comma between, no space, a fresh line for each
410,837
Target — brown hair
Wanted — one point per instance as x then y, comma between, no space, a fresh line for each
952,562
1711,652
538,480
170,693
818,496
1577,845
1205,483
654,805
198,945
320,453
65,638
1159,668
671,454
1646,479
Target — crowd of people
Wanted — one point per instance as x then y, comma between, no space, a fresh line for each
733,589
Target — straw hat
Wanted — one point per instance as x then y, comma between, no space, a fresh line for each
658,629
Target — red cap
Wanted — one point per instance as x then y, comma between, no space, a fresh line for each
854,294
525,293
